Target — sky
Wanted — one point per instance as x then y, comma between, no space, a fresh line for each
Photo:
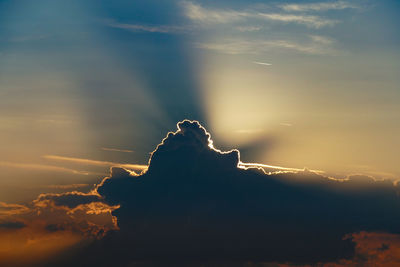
295,86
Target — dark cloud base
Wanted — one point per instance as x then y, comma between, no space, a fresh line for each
194,205
12,225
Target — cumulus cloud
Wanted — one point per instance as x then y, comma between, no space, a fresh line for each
196,204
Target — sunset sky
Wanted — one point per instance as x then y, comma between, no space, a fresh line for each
86,85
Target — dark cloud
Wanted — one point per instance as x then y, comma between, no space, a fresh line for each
54,227
195,205
12,225
372,249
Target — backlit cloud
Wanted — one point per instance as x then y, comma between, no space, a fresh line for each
197,204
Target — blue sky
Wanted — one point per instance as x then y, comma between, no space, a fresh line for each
296,83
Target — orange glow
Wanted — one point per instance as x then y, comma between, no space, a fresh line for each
34,243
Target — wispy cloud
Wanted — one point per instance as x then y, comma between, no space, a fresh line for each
310,21
117,150
200,14
248,28
7,209
262,63
41,167
66,186
320,6
147,28
321,39
240,46
95,162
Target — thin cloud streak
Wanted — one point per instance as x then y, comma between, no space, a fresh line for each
66,186
200,14
95,162
41,167
321,6
310,21
147,28
117,150
262,63
259,46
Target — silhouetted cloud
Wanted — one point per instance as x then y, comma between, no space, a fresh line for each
194,204
197,205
